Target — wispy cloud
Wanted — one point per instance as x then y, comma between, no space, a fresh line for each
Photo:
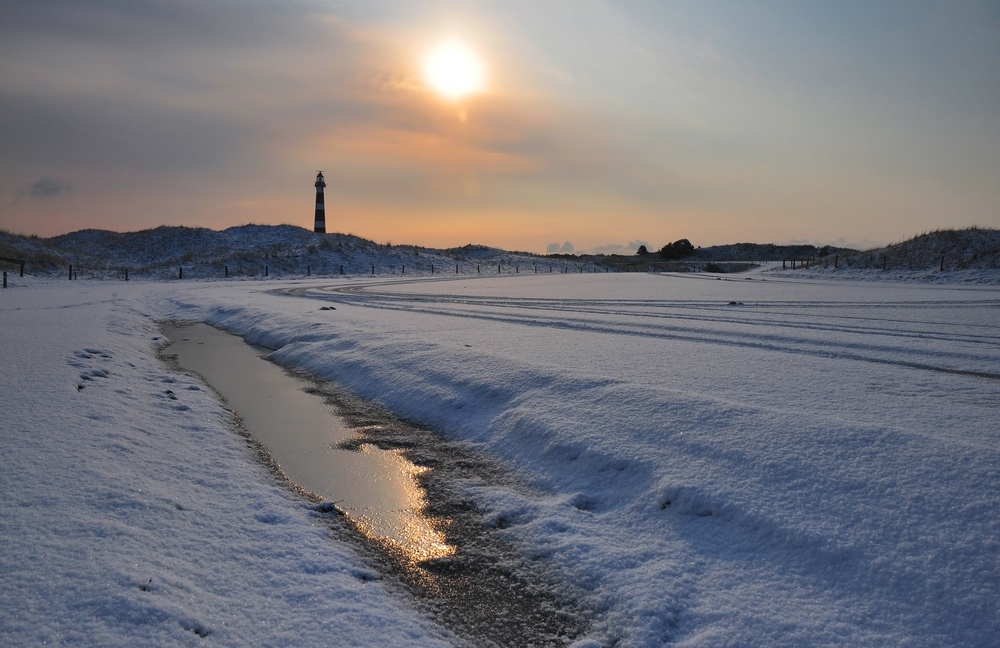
44,187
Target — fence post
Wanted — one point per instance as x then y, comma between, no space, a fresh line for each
498,269
71,272
265,271
180,273
341,269
4,278
456,268
126,274
942,263
373,269
403,270
477,268
22,268
309,271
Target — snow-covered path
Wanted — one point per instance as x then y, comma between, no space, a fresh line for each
710,463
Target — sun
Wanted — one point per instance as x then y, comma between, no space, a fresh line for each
454,70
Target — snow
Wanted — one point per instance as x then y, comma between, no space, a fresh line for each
754,461
118,470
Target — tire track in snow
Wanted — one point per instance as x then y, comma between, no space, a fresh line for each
506,310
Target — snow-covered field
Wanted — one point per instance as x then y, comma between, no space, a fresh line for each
745,461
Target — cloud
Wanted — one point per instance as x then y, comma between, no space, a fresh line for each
45,187
48,187
555,248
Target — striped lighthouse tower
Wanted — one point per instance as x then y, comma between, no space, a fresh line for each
320,227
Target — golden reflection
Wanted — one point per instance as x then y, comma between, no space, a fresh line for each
415,535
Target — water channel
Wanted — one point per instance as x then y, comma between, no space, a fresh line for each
337,448
376,488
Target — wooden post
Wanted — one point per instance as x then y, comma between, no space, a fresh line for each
783,264
341,269
456,268
71,272
498,269
126,274
373,269
942,263
432,268
309,271
477,268
226,270
403,271
265,271
4,278
180,273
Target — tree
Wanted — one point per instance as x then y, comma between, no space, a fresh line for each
676,250
642,250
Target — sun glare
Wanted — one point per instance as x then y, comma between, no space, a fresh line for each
454,71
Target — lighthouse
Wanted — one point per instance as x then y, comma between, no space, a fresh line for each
320,227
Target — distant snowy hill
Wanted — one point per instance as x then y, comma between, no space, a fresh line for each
285,250
252,250
944,256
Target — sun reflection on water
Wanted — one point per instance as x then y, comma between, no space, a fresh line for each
409,531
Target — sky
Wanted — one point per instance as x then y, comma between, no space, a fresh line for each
600,125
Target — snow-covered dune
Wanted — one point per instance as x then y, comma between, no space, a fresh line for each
252,251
